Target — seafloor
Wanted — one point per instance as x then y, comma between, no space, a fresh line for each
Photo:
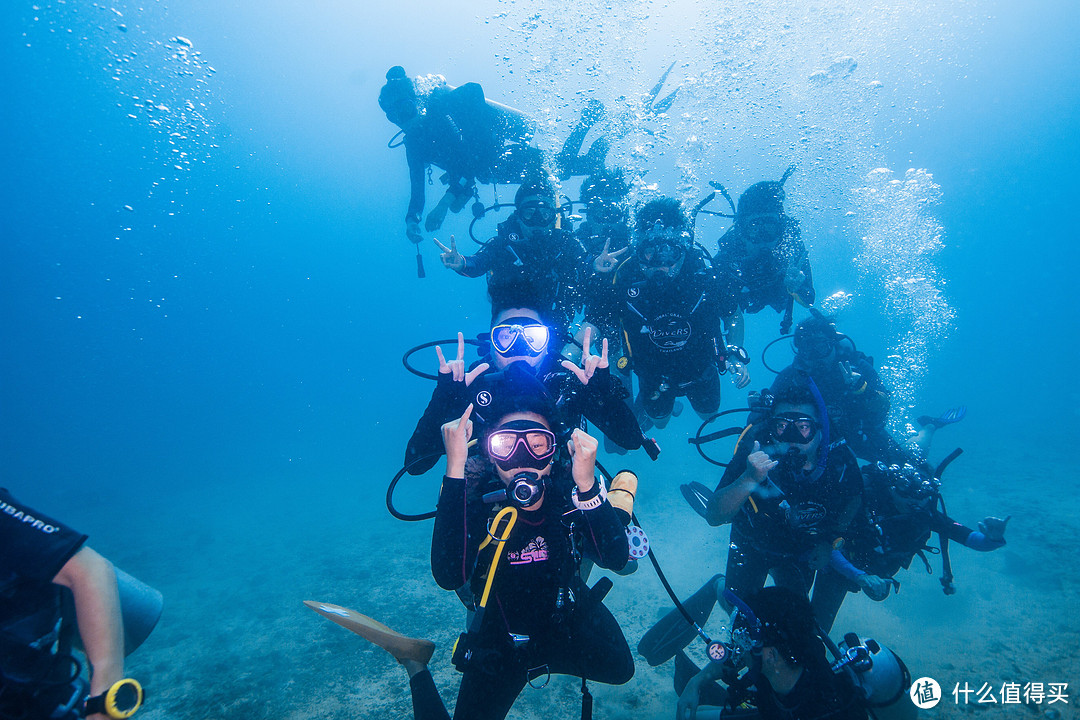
235,641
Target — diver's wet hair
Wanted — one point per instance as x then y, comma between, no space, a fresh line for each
788,623
761,198
515,297
668,211
535,186
817,325
518,391
398,87
795,393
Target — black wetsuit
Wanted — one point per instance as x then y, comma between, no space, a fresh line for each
885,539
757,280
599,288
602,402
819,694
539,272
531,626
857,414
790,536
469,139
33,638
673,333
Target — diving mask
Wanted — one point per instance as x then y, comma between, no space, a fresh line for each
520,337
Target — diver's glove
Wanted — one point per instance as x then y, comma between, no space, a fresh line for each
876,588
412,231
993,529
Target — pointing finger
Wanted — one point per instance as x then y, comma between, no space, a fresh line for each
471,375
441,246
460,346
443,367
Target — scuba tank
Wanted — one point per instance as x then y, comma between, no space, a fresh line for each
880,677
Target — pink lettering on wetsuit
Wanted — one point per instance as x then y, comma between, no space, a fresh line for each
535,551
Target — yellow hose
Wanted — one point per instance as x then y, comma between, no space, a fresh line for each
510,512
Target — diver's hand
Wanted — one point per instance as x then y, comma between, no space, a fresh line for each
852,379
589,362
994,528
793,280
876,588
456,367
742,375
686,709
582,447
758,465
456,435
450,257
412,231
606,261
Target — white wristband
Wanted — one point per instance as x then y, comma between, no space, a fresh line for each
591,503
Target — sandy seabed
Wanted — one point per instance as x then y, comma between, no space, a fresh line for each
236,643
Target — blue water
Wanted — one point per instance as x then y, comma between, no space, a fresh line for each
203,308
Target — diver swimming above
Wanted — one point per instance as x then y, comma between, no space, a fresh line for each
471,138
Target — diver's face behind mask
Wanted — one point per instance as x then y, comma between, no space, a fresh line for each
518,334
663,251
813,350
402,112
909,489
536,215
762,230
523,443
796,432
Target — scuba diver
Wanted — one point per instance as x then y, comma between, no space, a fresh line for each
521,346
532,255
605,235
670,307
790,494
45,567
788,677
857,400
471,138
511,528
763,259
902,507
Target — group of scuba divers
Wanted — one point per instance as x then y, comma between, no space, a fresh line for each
819,496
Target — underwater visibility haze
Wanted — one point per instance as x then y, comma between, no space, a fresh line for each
206,290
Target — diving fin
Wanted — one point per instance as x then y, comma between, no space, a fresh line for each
698,496
673,632
662,106
400,646
659,84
